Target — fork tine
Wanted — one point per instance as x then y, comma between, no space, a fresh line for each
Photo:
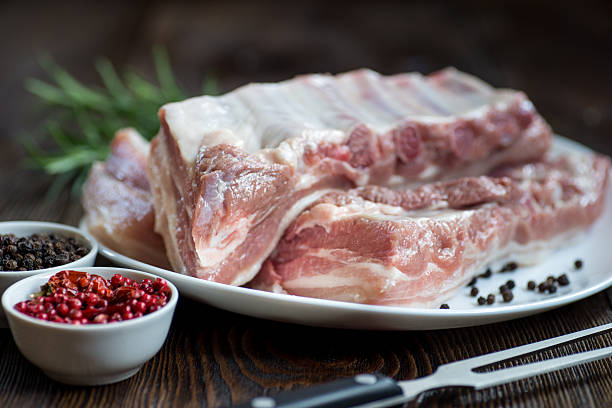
486,359
505,375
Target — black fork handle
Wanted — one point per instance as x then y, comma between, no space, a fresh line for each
344,393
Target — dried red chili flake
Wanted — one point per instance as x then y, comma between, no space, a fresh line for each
82,298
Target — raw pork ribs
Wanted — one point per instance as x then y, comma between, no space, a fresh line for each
417,247
118,203
230,173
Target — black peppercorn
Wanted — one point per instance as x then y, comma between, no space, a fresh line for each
444,306
481,300
531,285
7,239
81,251
509,267
28,264
552,289
542,287
62,258
49,261
490,299
24,246
474,291
38,251
508,296
563,280
510,284
578,264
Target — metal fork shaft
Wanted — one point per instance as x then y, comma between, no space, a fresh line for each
505,375
499,356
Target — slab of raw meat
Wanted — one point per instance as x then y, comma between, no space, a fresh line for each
230,173
417,247
118,203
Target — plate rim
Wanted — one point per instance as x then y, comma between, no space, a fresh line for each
543,305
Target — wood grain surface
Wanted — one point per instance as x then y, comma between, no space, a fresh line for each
559,56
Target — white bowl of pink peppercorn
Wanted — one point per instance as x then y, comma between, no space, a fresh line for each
81,340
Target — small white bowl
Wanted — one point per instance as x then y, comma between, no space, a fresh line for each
27,228
92,354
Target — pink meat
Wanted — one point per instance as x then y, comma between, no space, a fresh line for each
118,203
417,247
230,173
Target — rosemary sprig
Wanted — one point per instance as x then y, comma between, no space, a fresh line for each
84,119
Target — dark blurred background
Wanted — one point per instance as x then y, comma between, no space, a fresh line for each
560,54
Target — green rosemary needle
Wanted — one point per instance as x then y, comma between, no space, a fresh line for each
83,119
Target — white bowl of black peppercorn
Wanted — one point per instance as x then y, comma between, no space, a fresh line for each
31,247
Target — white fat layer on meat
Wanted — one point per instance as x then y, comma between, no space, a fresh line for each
360,278
324,214
321,108
582,176
223,242
365,84
402,99
350,276
248,273
291,151
429,172
166,223
356,278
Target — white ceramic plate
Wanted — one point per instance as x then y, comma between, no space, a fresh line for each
596,275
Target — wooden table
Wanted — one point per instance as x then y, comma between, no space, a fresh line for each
214,358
